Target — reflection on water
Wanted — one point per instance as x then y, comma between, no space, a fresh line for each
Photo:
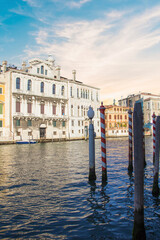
45,193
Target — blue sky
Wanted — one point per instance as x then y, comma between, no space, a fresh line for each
113,44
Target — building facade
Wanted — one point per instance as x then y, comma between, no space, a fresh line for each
116,121
2,109
150,103
44,105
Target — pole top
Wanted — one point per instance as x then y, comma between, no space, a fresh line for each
90,113
154,115
102,106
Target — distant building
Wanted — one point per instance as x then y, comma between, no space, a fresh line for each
2,109
150,103
130,100
116,121
41,104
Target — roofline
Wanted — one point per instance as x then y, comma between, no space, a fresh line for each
48,78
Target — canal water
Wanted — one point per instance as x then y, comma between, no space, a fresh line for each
45,194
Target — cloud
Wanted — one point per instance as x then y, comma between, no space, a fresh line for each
77,4
33,3
117,53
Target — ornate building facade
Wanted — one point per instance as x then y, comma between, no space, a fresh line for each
41,104
116,121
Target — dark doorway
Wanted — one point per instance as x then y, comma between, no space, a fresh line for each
42,132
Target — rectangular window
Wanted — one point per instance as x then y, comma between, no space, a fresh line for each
0,90
37,70
18,83
63,133
29,123
18,122
79,123
54,109
54,133
71,91
54,123
18,106
72,123
29,107
1,108
42,108
63,124
63,110
109,116
1,124
45,72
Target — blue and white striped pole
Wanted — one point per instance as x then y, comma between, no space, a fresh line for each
92,174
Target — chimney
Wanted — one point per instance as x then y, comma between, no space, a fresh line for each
4,66
74,75
24,66
58,68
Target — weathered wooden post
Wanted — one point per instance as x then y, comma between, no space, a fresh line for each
138,229
130,155
154,135
92,174
155,189
144,155
103,143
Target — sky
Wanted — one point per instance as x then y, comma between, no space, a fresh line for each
113,44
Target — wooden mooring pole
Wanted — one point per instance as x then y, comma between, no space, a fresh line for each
130,148
138,229
155,189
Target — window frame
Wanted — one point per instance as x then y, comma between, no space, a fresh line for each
18,83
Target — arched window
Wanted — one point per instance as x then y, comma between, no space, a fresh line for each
42,87
42,69
54,89
29,85
18,82
62,90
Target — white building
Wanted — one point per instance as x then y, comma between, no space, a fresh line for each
150,103
41,104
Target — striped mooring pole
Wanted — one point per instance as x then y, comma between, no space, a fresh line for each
130,155
154,135
103,143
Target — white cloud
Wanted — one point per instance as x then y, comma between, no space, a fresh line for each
77,4
112,55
